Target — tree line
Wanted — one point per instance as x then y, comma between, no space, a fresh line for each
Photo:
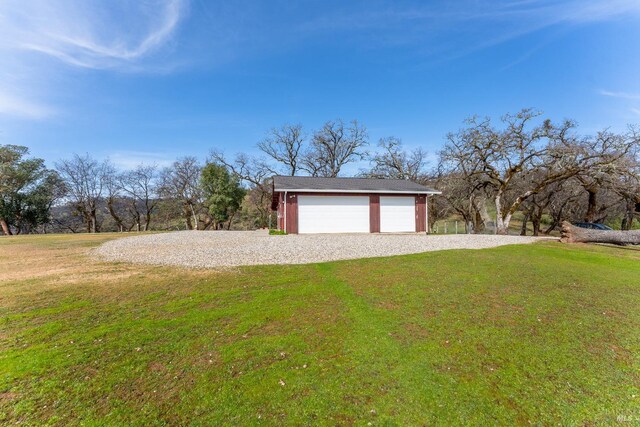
489,171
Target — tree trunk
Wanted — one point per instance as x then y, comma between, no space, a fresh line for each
478,224
502,224
147,220
484,214
573,234
208,222
195,217
232,217
187,217
591,205
523,229
93,225
552,227
536,219
501,227
627,220
5,227
480,215
114,214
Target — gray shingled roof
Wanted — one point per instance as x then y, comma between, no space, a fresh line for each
365,185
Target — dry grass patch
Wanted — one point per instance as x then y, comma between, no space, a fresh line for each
38,264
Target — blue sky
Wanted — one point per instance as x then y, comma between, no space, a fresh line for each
148,81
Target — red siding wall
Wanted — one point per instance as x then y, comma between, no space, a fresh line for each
374,213
421,213
292,213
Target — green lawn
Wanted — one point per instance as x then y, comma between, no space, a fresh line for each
540,334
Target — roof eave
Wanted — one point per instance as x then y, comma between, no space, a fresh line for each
310,190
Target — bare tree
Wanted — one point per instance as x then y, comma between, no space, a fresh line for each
607,160
564,202
284,145
629,191
141,185
467,198
522,159
628,187
86,181
115,204
334,146
393,161
66,218
534,208
181,181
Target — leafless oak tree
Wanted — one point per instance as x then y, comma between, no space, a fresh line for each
523,158
140,186
334,146
86,182
393,161
607,160
181,182
284,145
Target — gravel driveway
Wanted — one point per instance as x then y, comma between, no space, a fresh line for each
215,249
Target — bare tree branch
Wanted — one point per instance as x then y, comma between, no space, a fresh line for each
335,146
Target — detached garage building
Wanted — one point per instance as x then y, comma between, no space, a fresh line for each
349,205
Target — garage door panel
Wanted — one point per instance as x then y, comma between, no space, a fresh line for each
333,214
397,214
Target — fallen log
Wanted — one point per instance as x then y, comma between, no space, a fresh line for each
573,234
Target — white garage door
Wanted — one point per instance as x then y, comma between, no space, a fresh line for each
333,214
397,214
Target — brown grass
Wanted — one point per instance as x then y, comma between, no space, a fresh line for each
65,264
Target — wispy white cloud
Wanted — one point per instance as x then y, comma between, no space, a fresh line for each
90,34
621,95
453,29
41,40
600,10
636,111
